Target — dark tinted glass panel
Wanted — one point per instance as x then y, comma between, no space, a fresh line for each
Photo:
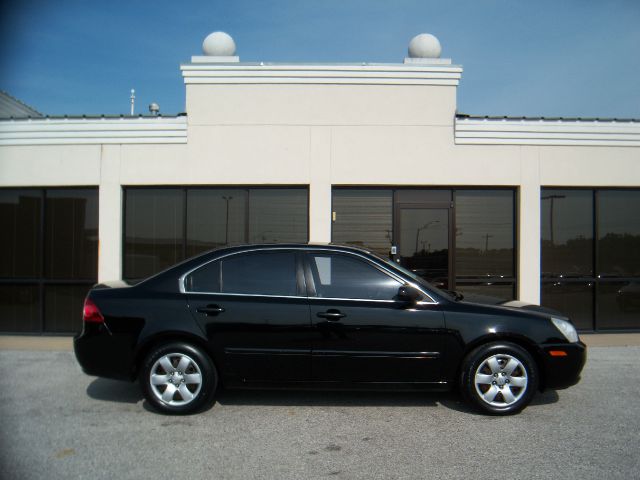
484,232
572,299
63,307
20,212
492,292
71,234
153,230
567,232
339,276
363,218
618,305
205,279
215,218
424,243
278,215
423,196
259,273
618,233
19,308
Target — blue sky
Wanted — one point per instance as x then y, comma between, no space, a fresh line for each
521,57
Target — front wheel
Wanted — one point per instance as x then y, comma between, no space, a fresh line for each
178,378
499,378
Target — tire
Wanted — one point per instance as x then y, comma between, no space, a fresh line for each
499,378
178,378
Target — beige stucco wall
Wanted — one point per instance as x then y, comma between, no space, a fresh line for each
321,135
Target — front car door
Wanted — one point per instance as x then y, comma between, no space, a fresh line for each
362,332
253,308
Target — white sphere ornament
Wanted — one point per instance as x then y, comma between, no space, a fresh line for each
424,45
219,44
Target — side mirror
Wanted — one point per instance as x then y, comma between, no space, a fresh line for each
407,293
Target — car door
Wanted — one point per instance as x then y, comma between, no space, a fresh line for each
362,332
253,307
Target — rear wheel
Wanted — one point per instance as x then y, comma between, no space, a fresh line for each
178,378
499,378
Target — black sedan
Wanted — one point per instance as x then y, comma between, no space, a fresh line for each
305,316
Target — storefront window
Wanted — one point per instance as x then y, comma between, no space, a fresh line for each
166,225
591,256
49,244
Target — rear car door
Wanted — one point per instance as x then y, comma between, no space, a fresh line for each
253,308
362,333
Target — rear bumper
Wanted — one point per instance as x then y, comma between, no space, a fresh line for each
563,371
101,354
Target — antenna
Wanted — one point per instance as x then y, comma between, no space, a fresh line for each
133,100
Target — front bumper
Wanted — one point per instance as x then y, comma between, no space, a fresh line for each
563,371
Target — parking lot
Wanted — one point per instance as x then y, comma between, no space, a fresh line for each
60,423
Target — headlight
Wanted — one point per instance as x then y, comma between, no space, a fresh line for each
566,329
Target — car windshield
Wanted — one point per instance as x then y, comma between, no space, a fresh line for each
416,278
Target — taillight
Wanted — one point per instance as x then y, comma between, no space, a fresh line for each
91,313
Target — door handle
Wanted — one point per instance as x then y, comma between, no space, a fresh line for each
331,315
210,310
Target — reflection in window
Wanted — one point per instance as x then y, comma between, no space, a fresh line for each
215,218
363,218
484,233
574,299
619,304
619,233
567,232
568,247
491,293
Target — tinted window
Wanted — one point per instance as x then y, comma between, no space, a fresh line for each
165,225
619,233
153,230
341,276
484,233
264,273
363,218
20,239
567,232
278,215
63,307
19,308
71,234
215,218
205,279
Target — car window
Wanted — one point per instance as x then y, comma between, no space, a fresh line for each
257,273
344,276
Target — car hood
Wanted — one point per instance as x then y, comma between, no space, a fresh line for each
512,304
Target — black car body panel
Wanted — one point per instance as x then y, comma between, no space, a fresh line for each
304,340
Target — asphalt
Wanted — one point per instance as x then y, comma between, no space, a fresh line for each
59,423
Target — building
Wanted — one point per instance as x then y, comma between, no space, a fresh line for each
538,209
